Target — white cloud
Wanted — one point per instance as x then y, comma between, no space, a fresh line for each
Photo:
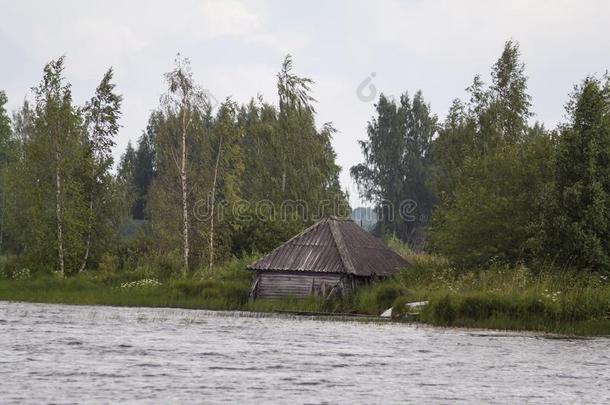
230,17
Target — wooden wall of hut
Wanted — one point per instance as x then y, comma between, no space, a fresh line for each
275,285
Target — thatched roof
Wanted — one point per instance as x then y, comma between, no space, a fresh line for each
333,245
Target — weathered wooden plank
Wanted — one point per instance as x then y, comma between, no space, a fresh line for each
282,285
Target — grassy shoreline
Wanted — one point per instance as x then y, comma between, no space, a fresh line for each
499,297
447,310
588,328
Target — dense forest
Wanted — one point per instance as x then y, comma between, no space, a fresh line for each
201,184
204,184
485,186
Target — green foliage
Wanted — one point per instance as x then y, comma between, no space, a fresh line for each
168,265
497,207
101,121
443,311
138,170
395,173
226,288
61,209
520,215
529,310
49,178
542,297
191,288
108,263
577,220
8,151
228,285
494,117
60,216
378,297
492,172
256,234
400,307
251,169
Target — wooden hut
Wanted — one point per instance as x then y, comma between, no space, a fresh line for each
333,256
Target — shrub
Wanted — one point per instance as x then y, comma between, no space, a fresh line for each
109,263
387,293
443,310
189,288
169,265
474,307
236,294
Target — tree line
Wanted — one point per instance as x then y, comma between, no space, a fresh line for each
483,186
489,186
65,208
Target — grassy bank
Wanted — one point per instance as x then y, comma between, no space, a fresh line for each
226,288
499,297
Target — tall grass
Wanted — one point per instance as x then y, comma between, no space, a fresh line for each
227,287
519,297
545,298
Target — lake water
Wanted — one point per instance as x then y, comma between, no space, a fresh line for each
84,354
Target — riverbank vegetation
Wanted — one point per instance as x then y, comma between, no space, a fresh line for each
504,221
525,297
499,297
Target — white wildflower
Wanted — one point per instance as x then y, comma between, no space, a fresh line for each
22,274
144,283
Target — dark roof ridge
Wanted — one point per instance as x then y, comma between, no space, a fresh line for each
341,248
338,218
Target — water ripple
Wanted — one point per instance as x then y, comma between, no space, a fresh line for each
85,354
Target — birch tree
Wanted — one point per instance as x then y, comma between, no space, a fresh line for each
56,145
185,100
228,168
296,106
102,115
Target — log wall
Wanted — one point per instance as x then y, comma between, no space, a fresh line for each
271,285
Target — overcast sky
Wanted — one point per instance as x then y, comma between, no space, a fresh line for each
236,48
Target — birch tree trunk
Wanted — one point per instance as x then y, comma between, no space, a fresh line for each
89,230
59,217
183,181
213,204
